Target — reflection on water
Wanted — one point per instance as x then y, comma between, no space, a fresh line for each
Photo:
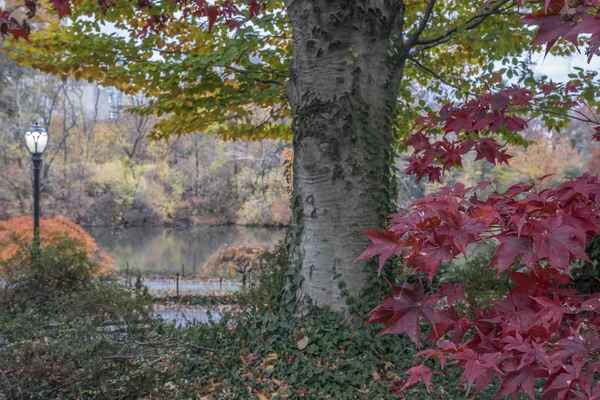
165,250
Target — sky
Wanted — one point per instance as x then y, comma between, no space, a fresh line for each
557,68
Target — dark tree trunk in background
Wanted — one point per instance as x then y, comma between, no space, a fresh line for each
343,88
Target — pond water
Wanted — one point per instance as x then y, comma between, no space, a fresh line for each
164,250
170,285
181,316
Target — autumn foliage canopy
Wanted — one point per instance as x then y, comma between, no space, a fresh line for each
17,232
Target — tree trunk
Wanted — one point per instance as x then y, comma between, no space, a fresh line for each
343,88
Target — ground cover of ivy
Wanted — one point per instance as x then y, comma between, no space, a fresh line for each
95,338
280,356
67,334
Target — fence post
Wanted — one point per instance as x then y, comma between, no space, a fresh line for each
182,270
177,284
127,281
220,283
195,271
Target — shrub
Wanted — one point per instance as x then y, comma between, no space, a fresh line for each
268,291
61,324
229,260
585,274
483,284
17,231
47,281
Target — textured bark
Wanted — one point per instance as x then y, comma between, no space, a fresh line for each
343,87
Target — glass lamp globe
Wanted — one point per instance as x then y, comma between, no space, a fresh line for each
36,139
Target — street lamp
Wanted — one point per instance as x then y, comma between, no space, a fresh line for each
36,139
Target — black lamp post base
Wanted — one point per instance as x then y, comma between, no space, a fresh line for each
37,168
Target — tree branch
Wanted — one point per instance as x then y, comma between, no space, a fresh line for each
472,23
422,24
438,77
543,110
245,71
397,33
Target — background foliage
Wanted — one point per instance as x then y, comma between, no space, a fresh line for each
106,172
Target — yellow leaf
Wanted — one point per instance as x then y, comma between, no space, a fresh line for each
302,343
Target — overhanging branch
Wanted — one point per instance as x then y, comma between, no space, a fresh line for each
422,24
475,21
438,76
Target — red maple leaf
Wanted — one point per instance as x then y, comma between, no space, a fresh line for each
558,242
253,8
588,25
551,25
403,309
552,312
4,17
586,380
19,32
517,310
385,244
444,347
548,88
596,136
539,281
522,379
578,346
463,230
9,25
486,213
527,351
418,141
417,373
592,304
512,245
212,13
477,367
434,252
448,320
559,385
439,354
572,86
490,150
453,292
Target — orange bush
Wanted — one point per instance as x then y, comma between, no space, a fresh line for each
18,231
229,260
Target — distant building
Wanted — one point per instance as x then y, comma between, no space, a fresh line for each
101,103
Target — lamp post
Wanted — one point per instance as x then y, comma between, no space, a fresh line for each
36,139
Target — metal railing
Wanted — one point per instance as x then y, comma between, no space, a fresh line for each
176,284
